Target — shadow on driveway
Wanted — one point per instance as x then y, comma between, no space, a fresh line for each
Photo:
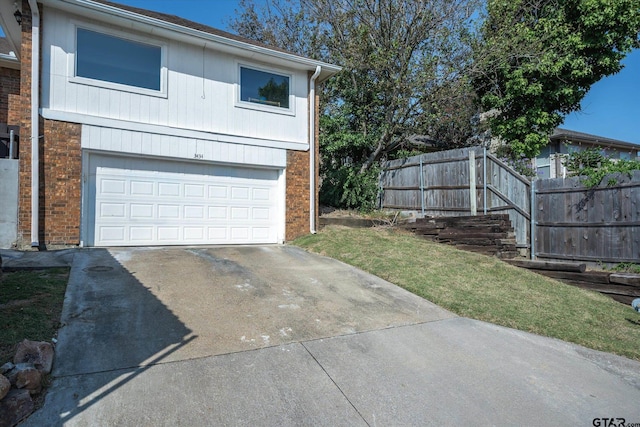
110,322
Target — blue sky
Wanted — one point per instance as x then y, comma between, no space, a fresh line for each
611,108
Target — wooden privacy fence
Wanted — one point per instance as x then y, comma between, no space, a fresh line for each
458,182
568,222
601,224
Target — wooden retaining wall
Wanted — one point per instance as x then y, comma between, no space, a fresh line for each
485,234
622,287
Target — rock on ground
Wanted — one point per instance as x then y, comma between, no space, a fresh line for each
16,406
5,386
38,353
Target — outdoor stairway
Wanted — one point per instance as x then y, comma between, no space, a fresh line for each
486,234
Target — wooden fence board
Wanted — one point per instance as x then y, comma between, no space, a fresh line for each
575,223
600,224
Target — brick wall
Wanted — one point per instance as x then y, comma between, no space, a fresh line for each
60,183
60,165
9,96
24,174
297,195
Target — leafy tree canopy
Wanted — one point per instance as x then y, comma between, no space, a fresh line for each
404,72
537,59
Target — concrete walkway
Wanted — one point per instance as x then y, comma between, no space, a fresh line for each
276,336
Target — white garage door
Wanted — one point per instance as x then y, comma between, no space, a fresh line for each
157,202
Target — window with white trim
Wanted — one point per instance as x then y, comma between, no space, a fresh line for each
265,88
117,60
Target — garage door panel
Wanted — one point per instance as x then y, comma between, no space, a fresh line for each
217,234
168,234
112,210
168,189
260,214
146,202
141,211
142,188
194,212
217,212
196,191
139,234
113,186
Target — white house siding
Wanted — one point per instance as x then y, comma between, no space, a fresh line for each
193,101
168,146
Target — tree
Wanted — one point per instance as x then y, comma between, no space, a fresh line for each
404,72
538,58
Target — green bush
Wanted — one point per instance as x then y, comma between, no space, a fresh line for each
345,187
594,166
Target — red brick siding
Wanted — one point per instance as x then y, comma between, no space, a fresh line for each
60,165
60,183
298,195
24,175
9,96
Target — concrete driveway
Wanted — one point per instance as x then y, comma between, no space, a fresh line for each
276,336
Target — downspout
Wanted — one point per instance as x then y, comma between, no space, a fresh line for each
35,101
312,151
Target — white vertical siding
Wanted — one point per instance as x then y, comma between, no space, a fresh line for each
144,143
186,105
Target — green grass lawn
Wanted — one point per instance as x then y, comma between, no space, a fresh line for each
30,307
484,288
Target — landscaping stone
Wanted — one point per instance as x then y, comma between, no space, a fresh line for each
21,379
28,377
15,407
6,368
38,353
23,374
5,386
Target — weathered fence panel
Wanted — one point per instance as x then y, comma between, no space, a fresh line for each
601,224
440,184
571,222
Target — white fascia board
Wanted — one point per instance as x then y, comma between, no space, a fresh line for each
89,8
9,61
64,116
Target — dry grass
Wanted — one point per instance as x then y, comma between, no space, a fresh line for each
485,288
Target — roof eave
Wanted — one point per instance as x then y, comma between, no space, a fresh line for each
9,61
593,139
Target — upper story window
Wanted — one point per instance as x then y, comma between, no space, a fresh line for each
265,88
117,60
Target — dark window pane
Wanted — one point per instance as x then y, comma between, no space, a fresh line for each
264,88
112,59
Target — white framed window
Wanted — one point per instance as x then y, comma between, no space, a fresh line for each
119,61
265,89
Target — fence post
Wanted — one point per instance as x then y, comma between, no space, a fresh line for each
472,182
484,179
532,214
421,186
380,189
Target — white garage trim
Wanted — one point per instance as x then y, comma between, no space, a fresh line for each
135,201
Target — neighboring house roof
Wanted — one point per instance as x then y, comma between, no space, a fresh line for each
560,135
181,25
